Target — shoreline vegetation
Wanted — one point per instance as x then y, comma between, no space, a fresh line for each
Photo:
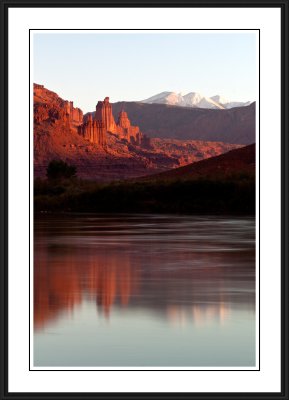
230,194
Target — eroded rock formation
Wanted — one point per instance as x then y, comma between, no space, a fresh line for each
96,126
74,114
49,107
103,113
125,130
94,131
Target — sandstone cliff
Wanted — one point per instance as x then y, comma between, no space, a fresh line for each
48,106
61,132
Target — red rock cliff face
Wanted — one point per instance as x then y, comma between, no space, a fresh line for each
75,114
48,106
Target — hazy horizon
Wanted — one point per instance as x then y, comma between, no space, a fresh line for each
86,67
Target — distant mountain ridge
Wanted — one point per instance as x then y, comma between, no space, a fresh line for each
235,125
195,100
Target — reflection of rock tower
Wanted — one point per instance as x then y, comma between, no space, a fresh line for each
106,290
103,113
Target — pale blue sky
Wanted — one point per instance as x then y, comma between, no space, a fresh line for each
86,67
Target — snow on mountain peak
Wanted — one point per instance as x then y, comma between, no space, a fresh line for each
194,99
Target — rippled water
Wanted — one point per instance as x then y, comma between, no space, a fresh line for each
144,290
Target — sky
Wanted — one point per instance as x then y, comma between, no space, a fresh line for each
86,67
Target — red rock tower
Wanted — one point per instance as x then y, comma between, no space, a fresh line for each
125,130
103,113
123,120
94,131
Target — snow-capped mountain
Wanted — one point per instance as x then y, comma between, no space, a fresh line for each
229,104
171,98
197,100
193,99
233,104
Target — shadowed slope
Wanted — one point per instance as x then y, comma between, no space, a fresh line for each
236,125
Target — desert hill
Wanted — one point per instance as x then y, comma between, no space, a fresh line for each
236,161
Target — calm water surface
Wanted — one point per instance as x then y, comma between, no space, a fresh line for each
144,290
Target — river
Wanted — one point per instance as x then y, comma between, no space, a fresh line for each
144,291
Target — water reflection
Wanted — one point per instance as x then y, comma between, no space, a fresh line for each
183,271
66,276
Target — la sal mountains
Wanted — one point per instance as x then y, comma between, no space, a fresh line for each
132,139
194,99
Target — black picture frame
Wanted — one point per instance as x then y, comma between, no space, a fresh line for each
283,5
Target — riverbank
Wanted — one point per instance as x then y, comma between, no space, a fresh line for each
230,195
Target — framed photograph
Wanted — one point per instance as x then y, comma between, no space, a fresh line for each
144,243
